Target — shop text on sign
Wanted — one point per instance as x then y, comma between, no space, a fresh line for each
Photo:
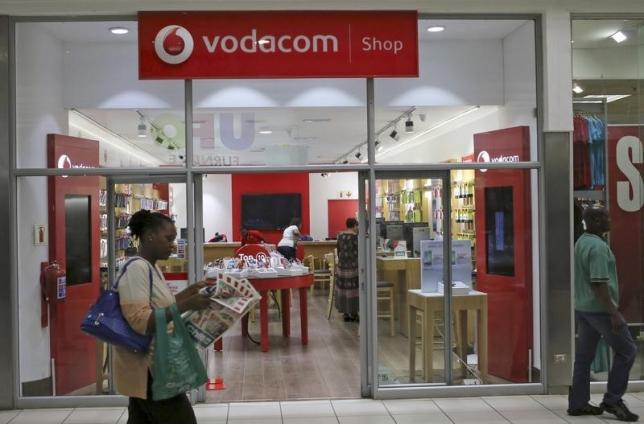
307,44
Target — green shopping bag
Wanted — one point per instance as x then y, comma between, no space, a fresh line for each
176,367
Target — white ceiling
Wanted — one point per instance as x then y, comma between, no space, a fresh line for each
596,33
326,141
97,31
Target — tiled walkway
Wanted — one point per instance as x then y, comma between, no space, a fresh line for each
509,409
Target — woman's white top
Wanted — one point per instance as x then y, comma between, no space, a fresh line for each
288,237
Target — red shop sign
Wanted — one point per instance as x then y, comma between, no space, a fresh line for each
307,44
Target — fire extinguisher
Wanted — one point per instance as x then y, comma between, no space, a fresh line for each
53,287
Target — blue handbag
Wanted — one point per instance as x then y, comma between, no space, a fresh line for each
105,320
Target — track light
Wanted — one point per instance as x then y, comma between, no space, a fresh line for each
422,117
358,155
142,129
394,134
409,125
577,89
344,162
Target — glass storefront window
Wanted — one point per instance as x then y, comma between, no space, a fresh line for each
279,122
494,329
80,79
56,358
608,110
475,76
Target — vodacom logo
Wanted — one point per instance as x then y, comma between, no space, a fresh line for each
173,44
483,156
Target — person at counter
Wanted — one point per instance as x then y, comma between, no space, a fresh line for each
251,236
289,240
346,273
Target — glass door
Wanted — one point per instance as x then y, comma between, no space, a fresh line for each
120,197
408,263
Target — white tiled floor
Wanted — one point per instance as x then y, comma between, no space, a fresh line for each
508,409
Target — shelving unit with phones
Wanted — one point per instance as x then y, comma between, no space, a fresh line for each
129,198
463,208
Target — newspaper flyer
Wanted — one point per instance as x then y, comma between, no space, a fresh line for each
231,299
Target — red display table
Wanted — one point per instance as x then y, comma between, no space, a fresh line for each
263,285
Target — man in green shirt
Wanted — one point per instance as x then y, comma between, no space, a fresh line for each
597,314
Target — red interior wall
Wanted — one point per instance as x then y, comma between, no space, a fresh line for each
268,184
339,210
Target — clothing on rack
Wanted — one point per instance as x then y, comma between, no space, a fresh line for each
589,159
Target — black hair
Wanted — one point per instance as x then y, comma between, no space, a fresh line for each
352,223
593,213
295,221
144,220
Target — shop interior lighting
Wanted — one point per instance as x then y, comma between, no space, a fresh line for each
142,128
609,97
409,125
619,37
358,155
436,28
94,129
119,30
265,132
263,41
394,134
577,89
422,117
441,124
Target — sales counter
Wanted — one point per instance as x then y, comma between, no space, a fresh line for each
317,248
404,274
218,250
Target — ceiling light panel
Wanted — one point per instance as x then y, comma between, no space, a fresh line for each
619,37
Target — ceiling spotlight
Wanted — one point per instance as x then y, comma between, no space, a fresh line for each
379,148
436,28
422,117
394,134
265,132
119,30
358,155
344,162
619,36
324,174
577,89
409,125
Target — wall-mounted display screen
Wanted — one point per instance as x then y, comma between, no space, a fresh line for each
270,211
78,235
499,203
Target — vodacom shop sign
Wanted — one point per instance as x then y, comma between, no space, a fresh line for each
191,45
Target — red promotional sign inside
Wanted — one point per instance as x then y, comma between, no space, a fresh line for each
193,45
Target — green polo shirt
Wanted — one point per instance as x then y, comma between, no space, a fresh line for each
594,264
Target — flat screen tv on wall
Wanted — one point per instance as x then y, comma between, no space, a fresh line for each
270,211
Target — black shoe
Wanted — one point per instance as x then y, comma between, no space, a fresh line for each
620,411
585,410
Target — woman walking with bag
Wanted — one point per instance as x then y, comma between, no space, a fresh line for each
142,290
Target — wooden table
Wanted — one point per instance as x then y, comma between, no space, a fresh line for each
214,251
263,285
404,273
317,248
432,303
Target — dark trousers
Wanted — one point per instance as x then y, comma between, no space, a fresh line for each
590,326
176,410
287,251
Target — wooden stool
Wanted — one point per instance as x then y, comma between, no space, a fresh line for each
385,293
329,258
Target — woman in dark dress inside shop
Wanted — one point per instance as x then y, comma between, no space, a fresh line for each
346,273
